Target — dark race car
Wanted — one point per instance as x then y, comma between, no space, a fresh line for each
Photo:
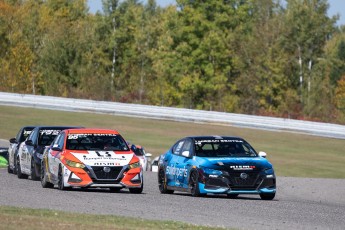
218,165
15,142
29,157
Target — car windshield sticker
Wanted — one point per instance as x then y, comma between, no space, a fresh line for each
53,132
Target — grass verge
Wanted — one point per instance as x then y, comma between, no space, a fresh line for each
27,219
292,154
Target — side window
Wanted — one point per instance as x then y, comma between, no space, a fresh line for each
33,135
187,146
177,147
60,140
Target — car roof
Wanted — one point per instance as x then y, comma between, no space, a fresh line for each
57,127
91,130
215,137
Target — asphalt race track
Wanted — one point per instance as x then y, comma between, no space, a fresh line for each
301,203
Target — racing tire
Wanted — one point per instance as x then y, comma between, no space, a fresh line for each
267,196
137,190
9,170
232,196
194,184
61,185
162,183
15,166
115,189
20,175
44,182
34,170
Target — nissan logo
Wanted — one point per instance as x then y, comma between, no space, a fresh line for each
106,169
244,176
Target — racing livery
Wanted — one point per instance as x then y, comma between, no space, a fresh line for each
218,165
91,158
15,142
28,162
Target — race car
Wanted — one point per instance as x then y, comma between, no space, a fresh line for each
15,142
91,158
216,164
144,157
29,157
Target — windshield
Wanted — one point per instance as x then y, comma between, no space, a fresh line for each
46,136
223,148
104,142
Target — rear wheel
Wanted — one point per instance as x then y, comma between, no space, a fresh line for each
162,183
34,170
267,196
44,182
20,175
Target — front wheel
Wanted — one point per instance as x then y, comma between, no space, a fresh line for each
61,183
162,183
267,196
194,184
9,170
137,190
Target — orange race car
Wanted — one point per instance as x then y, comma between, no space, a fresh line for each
91,158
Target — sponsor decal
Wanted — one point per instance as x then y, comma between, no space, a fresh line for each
49,132
106,164
172,170
200,142
27,132
81,135
242,167
103,158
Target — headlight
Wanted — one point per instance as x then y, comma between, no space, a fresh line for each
269,173
212,171
134,165
75,164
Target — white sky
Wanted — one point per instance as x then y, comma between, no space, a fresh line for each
336,7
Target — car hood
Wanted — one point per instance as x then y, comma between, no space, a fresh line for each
232,163
103,158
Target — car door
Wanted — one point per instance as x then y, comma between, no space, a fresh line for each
171,169
28,149
184,163
54,154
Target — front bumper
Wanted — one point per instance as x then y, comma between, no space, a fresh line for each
103,177
232,183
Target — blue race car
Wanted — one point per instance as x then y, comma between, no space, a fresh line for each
218,165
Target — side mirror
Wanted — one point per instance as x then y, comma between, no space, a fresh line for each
186,154
56,149
13,141
148,154
29,142
262,154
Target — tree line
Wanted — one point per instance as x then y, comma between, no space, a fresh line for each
267,57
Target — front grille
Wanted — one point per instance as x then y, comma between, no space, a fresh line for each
252,180
102,175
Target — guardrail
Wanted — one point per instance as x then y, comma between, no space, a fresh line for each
176,114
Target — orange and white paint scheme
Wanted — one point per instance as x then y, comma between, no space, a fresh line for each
91,158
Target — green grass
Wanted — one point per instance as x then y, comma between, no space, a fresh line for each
26,219
292,154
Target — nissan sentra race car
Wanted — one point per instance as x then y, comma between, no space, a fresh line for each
91,158
218,165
